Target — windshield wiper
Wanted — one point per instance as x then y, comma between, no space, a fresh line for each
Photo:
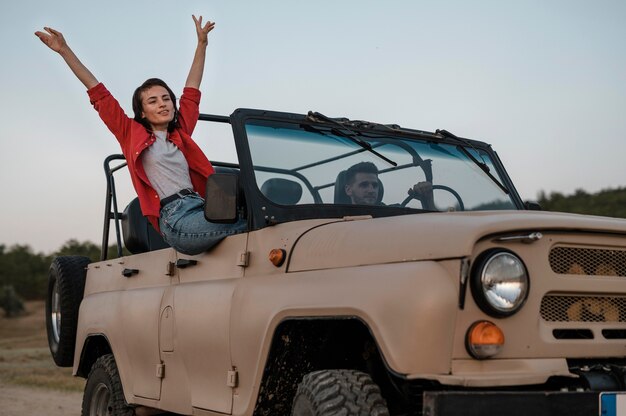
317,117
353,125
482,165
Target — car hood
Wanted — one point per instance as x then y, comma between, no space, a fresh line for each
359,241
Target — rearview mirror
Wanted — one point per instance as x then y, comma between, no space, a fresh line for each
221,202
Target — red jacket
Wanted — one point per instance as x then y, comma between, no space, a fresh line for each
134,139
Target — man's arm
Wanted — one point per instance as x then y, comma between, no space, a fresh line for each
197,66
55,41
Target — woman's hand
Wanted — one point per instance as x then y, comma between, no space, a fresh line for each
197,66
203,31
53,39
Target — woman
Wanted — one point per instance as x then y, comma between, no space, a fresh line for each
167,168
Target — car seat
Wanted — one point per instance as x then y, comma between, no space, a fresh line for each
139,235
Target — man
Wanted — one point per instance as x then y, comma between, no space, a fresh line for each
363,186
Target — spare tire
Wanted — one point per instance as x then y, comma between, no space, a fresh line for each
66,285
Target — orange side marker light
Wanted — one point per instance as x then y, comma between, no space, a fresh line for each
277,256
484,340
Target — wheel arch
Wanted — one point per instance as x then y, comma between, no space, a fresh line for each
94,347
301,345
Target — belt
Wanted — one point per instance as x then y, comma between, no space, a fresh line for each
177,195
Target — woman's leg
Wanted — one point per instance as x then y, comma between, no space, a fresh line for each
184,227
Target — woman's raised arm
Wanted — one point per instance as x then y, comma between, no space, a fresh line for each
197,66
55,41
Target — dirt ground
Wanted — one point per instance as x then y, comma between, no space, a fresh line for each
30,382
25,401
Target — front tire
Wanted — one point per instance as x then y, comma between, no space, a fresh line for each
104,395
338,392
66,286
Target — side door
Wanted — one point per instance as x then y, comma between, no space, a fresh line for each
195,340
146,281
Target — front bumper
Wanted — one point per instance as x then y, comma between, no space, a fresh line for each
496,403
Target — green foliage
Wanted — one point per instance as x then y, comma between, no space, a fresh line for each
24,270
608,202
75,248
12,304
27,272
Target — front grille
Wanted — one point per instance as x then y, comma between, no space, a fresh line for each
588,261
572,334
559,308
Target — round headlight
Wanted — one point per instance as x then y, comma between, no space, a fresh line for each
499,283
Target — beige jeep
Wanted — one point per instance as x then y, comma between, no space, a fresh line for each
476,305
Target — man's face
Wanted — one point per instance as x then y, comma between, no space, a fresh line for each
364,189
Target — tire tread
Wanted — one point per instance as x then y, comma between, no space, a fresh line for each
118,405
341,393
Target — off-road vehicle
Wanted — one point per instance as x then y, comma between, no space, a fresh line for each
478,306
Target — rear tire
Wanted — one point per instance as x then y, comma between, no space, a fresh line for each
66,285
338,392
104,395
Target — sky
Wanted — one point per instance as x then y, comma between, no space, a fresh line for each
544,82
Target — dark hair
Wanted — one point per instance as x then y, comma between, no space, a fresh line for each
361,167
138,106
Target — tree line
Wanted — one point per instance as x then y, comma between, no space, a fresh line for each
27,272
607,203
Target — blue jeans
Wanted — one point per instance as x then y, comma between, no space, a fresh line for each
184,227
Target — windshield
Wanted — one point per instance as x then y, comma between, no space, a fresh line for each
296,165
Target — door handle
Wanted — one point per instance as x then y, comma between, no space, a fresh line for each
129,272
183,263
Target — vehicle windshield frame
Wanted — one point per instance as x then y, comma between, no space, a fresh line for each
264,212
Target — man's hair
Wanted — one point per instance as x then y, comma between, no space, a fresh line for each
138,105
361,167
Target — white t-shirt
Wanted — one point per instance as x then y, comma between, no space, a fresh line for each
166,166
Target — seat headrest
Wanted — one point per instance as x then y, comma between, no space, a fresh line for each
282,191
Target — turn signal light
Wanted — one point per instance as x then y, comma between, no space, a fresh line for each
277,256
484,340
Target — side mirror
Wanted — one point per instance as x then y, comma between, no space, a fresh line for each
532,206
221,201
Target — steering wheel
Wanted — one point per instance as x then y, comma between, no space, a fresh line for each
443,188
